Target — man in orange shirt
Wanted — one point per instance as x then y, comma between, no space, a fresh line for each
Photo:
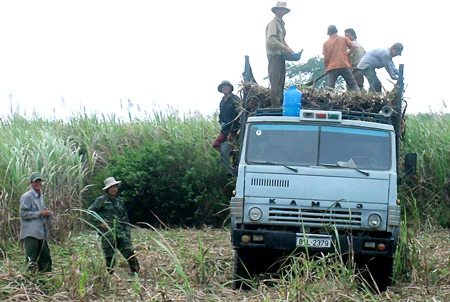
336,59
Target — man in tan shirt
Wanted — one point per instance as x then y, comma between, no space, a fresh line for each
276,46
336,59
355,57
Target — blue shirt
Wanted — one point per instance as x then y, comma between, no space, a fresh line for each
379,58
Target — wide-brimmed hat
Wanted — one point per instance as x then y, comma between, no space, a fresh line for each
35,176
280,4
224,83
111,181
398,47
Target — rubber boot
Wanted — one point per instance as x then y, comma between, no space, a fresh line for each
134,265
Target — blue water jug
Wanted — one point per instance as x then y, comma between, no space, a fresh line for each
292,101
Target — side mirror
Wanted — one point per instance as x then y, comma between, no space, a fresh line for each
410,164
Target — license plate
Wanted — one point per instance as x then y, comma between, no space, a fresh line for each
314,240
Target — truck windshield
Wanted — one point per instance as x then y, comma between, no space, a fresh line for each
313,145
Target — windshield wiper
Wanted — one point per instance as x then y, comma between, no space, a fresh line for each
291,168
273,163
342,165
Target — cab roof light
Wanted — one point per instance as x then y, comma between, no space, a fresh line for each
308,114
320,115
333,116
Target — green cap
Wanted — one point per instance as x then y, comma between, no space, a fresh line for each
35,176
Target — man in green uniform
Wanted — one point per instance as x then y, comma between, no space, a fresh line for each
115,229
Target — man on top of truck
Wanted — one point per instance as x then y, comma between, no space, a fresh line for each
379,58
276,46
335,53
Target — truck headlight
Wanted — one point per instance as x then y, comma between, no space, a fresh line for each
255,214
374,220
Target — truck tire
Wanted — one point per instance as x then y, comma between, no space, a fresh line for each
378,272
242,269
382,268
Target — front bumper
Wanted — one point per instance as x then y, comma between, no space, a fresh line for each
287,241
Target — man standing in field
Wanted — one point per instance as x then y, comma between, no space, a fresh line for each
33,229
276,46
114,227
336,60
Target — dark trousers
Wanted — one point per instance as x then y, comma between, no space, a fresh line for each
277,77
359,77
374,82
346,73
123,244
37,255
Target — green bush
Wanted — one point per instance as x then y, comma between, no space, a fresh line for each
172,183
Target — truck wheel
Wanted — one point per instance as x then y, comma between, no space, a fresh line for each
381,271
383,267
242,269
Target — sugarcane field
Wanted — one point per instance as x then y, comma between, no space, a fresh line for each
143,158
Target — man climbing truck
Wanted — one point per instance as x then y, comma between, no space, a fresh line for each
323,182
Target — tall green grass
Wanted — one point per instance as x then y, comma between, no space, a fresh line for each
29,146
74,156
426,195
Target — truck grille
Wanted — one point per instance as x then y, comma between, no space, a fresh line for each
267,182
315,217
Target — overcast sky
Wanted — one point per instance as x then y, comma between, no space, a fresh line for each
59,57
